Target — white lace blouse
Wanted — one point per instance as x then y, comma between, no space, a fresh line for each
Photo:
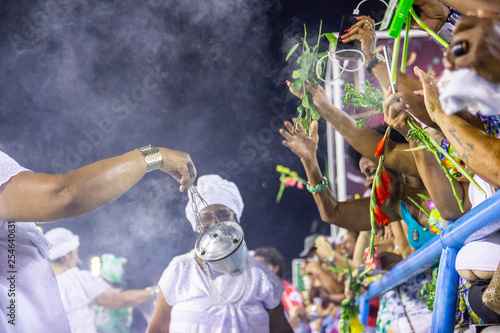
33,291
197,301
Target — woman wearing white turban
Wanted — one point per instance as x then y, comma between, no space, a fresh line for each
195,298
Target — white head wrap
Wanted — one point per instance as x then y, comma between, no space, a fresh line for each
63,242
215,190
465,89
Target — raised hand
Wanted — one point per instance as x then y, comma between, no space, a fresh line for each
433,13
320,99
364,31
396,113
476,45
430,93
299,141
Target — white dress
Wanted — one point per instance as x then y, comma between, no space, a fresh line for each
37,303
78,289
196,307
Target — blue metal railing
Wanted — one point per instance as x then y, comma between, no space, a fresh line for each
475,224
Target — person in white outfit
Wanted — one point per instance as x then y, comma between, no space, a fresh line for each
81,291
29,295
195,298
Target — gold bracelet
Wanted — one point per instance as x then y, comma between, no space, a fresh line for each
152,156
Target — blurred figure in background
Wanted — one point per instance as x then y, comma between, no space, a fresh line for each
293,303
80,290
114,320
326,289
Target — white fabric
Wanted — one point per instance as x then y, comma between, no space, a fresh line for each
481,255
470,255
421,323
78,289
465,89
477,197
194,309
215,190
63,242
38,305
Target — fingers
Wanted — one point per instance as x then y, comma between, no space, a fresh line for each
286,134
424,78
290,86
181,168
299,127
311,89
288,126
365,26
363,18
188,175
399,122
391,99
359,33
287,144
394,114
419,92
297,93
314,129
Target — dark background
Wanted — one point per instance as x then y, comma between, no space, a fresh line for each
84,80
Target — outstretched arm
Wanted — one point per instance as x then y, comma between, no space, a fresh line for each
478,150
114,299
364,140
431,172
31,196
352,214
364,32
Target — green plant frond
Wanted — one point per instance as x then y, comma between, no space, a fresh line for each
292,50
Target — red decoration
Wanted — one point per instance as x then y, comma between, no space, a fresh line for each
380,148
380,216
383,190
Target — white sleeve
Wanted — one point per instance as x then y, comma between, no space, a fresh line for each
8,168
271,289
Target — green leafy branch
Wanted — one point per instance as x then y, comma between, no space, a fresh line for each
429,289
368,98
309,70
421,136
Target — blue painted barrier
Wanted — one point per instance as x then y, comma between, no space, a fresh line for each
475,224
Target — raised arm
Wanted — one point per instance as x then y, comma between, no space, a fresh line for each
430,170
364,140
364,32
31,196
478,150
352,214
